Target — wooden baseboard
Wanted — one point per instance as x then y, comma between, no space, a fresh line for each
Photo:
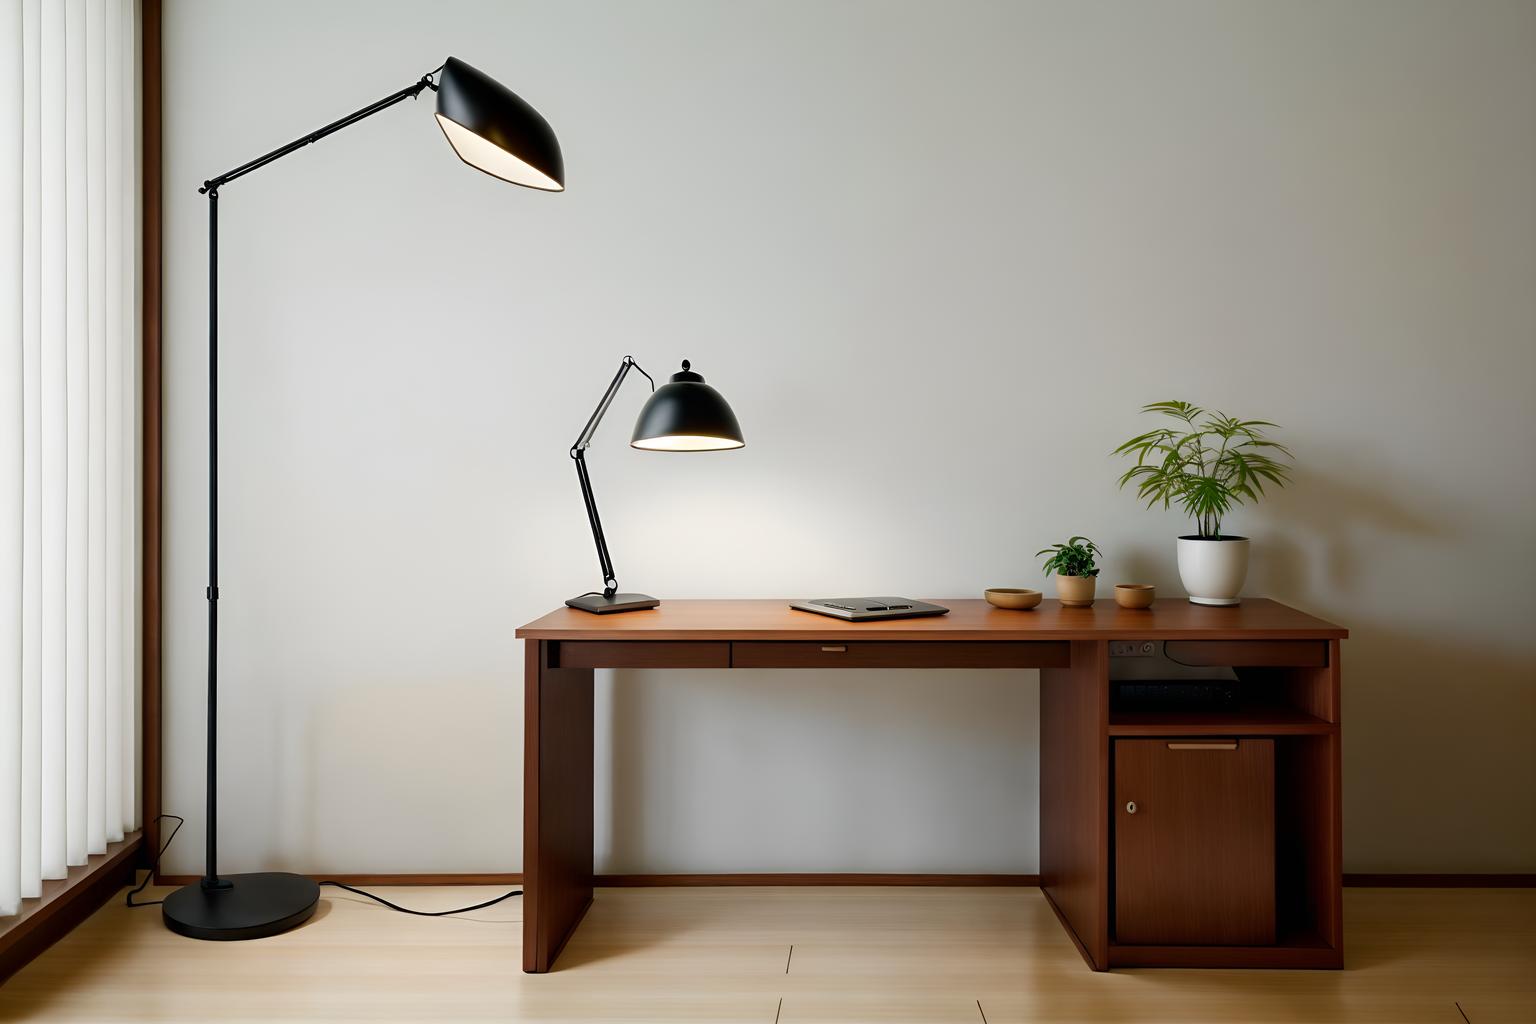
648,881
837,878
1417,881
1450,881
470,878
64,903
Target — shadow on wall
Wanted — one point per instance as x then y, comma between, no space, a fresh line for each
1437,754
1324,517
1335,511
1437,750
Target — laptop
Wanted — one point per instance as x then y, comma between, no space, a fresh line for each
868,609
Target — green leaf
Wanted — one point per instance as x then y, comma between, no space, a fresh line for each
1220,461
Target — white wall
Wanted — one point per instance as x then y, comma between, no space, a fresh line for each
936,255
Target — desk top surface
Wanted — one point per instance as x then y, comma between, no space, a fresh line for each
968,619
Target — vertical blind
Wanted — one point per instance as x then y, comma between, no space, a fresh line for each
69,414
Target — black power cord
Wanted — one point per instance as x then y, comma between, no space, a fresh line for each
425,913
180,821
154,865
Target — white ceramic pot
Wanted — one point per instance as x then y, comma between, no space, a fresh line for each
1213,570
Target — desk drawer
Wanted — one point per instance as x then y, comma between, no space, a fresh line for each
899,654
640,654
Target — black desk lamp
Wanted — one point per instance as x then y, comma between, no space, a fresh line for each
686,415
491,129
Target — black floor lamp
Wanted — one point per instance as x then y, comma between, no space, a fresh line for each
491,129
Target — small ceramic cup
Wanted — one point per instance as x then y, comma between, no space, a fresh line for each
1135,595
1008,597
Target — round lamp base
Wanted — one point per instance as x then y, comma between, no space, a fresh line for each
253,906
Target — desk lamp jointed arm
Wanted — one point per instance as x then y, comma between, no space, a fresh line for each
578,454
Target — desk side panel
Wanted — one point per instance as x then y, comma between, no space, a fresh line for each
1074,796
557,804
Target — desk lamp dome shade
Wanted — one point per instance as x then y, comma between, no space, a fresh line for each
493,130
686,415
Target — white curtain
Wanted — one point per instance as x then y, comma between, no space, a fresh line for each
69,441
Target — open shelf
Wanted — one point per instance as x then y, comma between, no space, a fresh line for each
1274,721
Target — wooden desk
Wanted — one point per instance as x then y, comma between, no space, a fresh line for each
1287,663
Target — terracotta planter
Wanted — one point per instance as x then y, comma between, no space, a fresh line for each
1009,597
1135,595
1213,569
1075,591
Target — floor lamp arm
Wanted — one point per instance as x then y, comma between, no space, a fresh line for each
410,92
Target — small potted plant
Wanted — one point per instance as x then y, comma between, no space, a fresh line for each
1208,464
1075,569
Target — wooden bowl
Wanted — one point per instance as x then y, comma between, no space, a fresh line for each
1135,595
1008,597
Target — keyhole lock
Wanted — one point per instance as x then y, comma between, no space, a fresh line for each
1130,807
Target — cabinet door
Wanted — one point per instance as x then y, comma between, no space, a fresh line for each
1194,837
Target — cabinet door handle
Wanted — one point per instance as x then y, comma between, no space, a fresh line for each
1204,745
1130,807
836,649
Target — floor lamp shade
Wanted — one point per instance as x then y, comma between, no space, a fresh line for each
493,130
686,415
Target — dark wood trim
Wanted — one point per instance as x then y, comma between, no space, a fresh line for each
419,878
812,879
723,879
150,521
64,903
1312,958
1518,880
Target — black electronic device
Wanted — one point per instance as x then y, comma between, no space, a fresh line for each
1173,695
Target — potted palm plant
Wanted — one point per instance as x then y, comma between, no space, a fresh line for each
1208,464
1075,568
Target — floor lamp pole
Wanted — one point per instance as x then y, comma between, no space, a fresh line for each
211,858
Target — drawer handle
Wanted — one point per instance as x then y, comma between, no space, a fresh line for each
836,649
1204,745
1130,807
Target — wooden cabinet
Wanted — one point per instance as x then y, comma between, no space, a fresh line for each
1194,842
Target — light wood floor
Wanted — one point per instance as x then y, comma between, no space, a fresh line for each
859,955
